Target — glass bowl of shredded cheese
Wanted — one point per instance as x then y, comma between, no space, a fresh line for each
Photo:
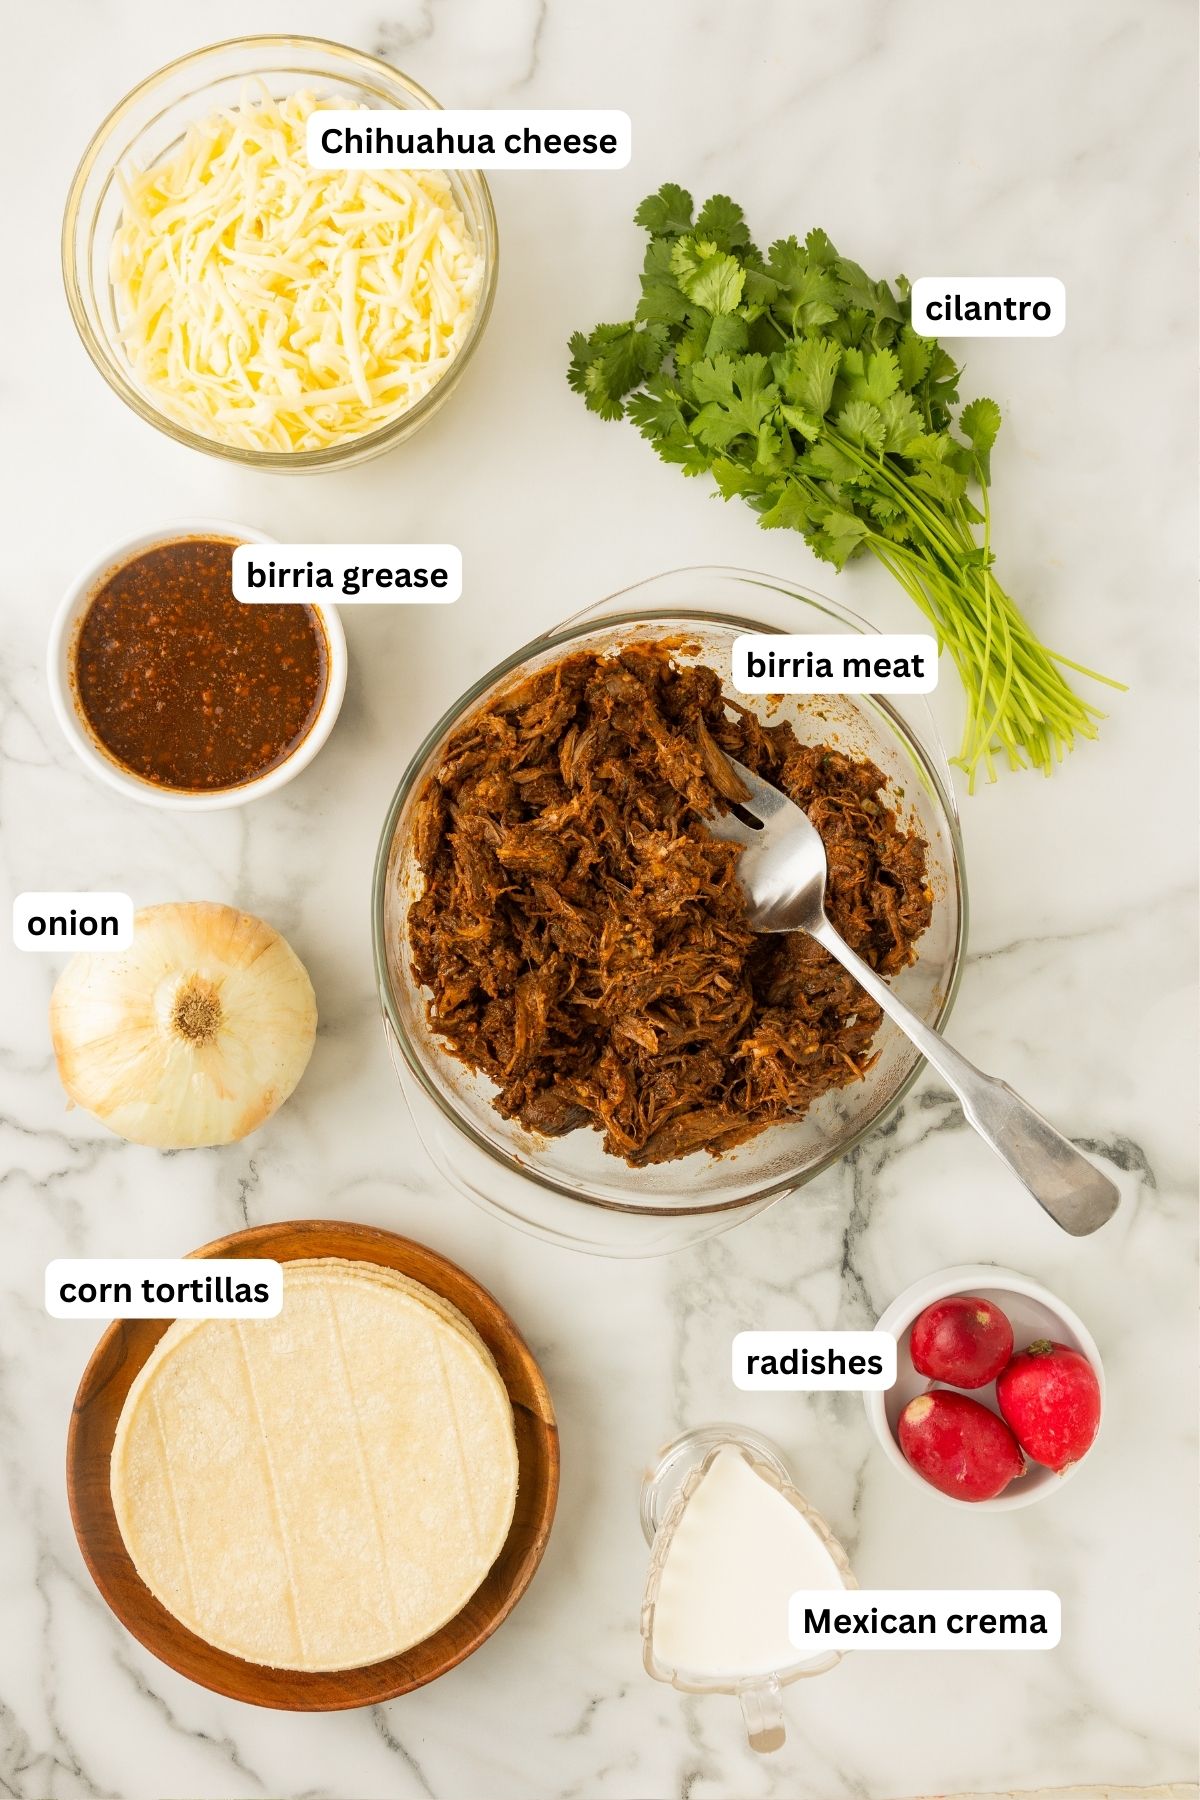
256,308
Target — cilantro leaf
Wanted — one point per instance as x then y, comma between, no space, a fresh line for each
736,398
825,462
663,301
657,409
761,287
728,334
614,359
769,452
806,371
711,335
793,510
818,248
941,482
901,422
836,535
874,377
847,525
723,222
979,423
884,508
692,347
680,448
913,354
708,276
809,291
669,211
940,387
735,478
806,423
872,297
863,424
928,446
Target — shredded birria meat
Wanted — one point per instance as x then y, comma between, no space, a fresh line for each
582,935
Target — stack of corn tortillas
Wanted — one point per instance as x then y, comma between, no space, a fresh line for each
324,1489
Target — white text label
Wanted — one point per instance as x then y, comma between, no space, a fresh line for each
163,1287
950,306
836,663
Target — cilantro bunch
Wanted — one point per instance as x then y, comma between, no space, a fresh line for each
800,385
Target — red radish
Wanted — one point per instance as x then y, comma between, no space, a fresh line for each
958,1446
1050,1396
962,1340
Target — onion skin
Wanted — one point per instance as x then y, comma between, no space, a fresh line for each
193,1036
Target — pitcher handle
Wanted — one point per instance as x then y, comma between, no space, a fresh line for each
762,1713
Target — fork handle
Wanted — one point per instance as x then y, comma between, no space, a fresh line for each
1076,1194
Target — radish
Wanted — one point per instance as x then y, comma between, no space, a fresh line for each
962,1340
1050,1396
958,1446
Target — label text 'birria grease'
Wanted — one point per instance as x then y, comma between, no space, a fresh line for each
369,574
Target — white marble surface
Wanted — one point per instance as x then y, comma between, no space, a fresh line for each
1023,138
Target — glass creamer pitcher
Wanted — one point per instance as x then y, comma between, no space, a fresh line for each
726,1555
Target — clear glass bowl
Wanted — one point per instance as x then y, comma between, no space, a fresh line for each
567,1189
149,122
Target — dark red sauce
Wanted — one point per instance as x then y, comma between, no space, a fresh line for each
182,684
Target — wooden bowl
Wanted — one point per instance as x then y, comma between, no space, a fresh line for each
122,1352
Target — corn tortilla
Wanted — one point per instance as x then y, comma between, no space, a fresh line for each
324,1489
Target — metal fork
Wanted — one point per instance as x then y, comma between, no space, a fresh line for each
783,870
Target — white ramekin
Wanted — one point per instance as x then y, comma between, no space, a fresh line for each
1033,1311
71,609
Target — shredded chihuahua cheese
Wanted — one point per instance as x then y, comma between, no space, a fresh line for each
278,307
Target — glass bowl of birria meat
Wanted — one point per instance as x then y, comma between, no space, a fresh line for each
591,1040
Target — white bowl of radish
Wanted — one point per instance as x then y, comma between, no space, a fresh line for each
955,1362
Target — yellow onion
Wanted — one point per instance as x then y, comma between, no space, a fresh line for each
192,1036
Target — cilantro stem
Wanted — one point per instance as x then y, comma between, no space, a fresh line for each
984,730
1064,662
910,497
1022,706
